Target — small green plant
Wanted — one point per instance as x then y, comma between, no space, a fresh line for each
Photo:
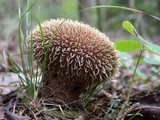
138,44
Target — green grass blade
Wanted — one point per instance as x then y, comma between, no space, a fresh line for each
122,8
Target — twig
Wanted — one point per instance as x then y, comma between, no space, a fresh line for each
35,118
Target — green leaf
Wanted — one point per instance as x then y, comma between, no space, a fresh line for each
130,28
151,61
153,48
128,45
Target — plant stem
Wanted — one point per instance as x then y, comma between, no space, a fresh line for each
134,74
132,82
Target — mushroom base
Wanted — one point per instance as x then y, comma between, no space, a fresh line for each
62,88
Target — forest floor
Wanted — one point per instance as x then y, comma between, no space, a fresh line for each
121,98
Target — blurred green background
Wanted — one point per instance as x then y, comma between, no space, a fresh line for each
107,20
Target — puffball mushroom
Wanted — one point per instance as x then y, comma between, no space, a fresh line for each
78,58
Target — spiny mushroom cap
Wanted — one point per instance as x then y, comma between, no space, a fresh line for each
76,50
